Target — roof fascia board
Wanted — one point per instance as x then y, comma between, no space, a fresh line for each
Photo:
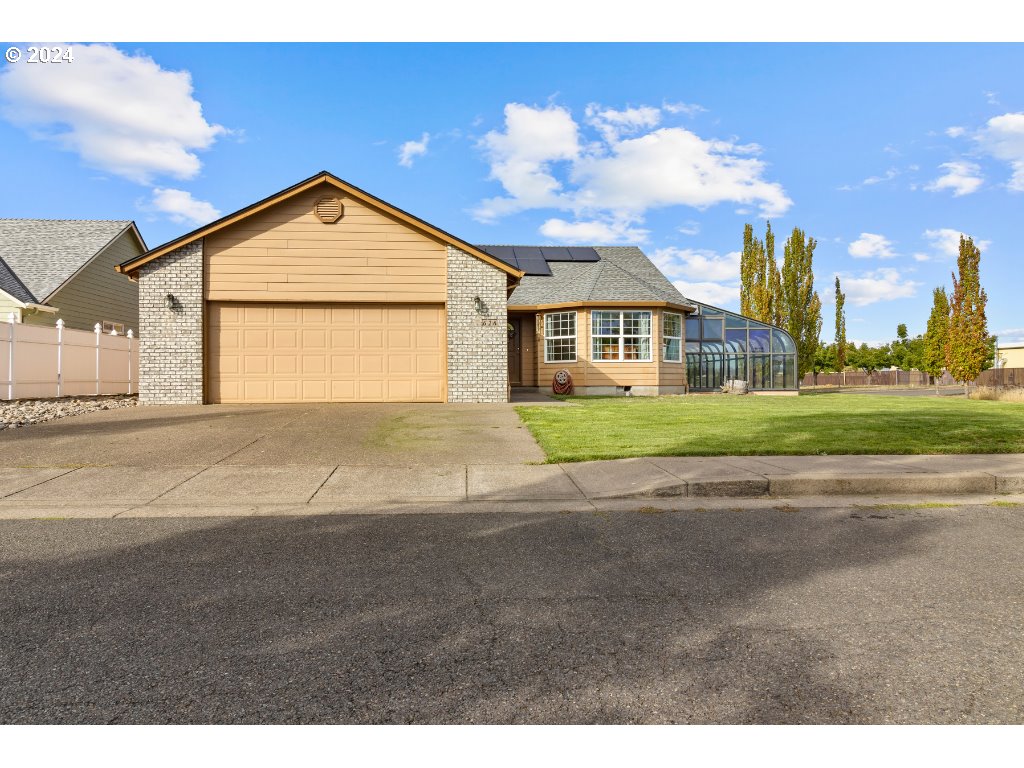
599,305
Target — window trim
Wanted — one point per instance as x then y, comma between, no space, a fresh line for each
115,328
621,336
681,337
574,336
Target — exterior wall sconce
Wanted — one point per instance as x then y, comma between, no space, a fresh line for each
479,304
169,301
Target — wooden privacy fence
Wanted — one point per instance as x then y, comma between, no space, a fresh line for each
1001,377
864,379
37,361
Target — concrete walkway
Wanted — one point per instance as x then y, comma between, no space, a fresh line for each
241,489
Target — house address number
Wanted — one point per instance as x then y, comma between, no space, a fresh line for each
490,322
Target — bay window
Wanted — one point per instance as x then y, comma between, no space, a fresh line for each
672,337
621,336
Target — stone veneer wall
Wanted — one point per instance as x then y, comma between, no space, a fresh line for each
477,339
171,340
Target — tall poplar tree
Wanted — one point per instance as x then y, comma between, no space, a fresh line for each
840,327
967,348
936,336
801,306
760,284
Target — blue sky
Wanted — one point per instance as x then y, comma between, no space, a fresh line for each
884,153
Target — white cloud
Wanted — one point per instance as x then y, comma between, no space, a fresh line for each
593,232
1003,138
955,131
889,175
716,294
181,207
629,167
122,114
921,257
945,242
681,108
690,228
412,149
871,246
991,97
1010,334
883,284
961,176
697,264
613,123
522,155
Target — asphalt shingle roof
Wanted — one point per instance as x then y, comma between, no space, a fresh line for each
622,274
42,253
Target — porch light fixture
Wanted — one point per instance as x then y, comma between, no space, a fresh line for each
479,304
169,301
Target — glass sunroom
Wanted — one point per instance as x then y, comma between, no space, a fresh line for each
722,345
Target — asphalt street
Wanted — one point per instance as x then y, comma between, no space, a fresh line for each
734,614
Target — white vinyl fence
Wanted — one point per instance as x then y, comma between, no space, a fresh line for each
36,361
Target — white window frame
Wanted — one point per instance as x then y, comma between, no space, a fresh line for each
665,338
621,335
574,336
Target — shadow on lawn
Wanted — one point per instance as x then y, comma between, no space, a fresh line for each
499,618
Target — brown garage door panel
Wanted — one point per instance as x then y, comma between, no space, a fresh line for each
293,353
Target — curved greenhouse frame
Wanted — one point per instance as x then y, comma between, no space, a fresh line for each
723,345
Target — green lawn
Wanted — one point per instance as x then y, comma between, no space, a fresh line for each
619,427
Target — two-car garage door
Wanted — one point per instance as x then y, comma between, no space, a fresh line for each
286,353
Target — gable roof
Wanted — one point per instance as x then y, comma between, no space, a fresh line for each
324,177
41,254
623,274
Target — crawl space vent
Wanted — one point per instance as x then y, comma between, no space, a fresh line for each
328,209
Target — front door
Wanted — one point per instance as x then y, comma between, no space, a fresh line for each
515,351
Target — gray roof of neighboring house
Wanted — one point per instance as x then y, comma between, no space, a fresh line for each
622,274
41,254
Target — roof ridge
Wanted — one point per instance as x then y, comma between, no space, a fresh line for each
76,221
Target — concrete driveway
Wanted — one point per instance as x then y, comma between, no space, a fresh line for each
379,434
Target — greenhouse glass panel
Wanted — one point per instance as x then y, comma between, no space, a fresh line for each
712,347
735,321
713,327
778,372
693,328
693,370
692,347
760,372
736,367
711,371
735,340
790,382
781,342
760,340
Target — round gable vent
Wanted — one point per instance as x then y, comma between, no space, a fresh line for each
328,209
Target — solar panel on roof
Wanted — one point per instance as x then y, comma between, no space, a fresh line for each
556,254
505,253
583,254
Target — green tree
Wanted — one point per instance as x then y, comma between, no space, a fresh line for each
801,306
759,277
840,327
899,347
967,347
936,336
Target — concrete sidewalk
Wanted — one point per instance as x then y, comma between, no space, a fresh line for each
300,489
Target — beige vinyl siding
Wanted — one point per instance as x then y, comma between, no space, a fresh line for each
599,373
7,305
97,293
287,254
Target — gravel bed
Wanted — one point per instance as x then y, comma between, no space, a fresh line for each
21,413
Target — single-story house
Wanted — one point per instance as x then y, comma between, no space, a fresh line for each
55,268
324,293
1010,354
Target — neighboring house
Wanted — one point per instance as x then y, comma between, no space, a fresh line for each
52,269
325,293
1010,354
